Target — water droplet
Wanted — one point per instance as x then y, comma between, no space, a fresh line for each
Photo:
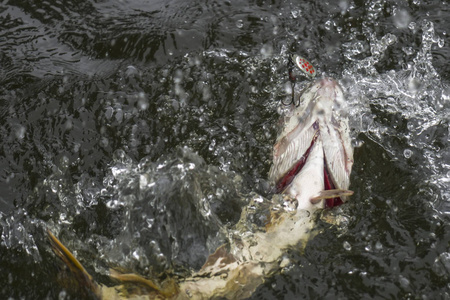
143,103
131,71
119,115
136,255
266,51
343,5
402,19
407,153
19,132
178,77
357,143
441,264
378,245
295,13
62,295
109,112
219,193
408,50
347,246
64,163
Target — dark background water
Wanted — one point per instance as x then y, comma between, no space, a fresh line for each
97,97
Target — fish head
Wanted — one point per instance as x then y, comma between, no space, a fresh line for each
313,152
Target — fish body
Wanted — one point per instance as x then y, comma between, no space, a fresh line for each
313,152
312,161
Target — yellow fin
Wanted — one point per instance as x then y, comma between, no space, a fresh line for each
170,288
79,272
328,194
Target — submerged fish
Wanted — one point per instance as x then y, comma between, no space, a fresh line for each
312,162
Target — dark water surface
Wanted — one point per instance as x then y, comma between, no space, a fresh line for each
137,131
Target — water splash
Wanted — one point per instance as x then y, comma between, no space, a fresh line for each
414,95
175,210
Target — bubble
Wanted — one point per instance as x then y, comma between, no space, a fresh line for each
407,153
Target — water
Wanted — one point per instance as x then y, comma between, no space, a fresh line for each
137,132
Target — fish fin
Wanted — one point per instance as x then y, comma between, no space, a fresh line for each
169,288
329,194
338,151
290,149
83,278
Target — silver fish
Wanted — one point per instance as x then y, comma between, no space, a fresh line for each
312,162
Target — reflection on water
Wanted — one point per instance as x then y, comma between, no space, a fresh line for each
138,132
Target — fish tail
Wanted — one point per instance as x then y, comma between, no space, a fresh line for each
83,278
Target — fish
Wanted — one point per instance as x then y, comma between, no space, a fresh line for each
312,163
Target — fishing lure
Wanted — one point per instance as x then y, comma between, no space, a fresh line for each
300,63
